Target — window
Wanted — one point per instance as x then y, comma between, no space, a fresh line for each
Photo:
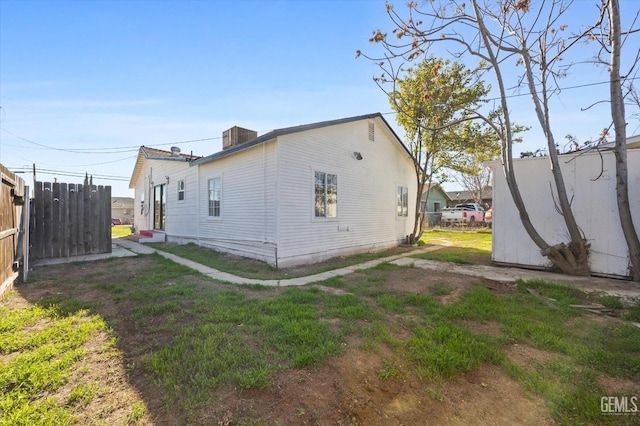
436,207
214,197
181,190
326,195
403,201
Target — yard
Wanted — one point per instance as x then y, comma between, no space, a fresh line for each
146,341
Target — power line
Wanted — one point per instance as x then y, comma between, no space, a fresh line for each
70,173
103,150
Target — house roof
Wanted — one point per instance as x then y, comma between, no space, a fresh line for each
434,186
464,195
295,129
159,154
147,153
633,142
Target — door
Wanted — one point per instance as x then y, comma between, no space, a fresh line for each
159,206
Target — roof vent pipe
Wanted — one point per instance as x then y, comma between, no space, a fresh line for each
175,151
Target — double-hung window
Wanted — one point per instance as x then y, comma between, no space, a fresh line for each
326,195
214,197
403,201
181,190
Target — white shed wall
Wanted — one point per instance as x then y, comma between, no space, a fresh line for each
367,188
594,205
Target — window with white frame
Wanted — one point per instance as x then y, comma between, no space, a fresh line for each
326,195
181,190
214,197
403,201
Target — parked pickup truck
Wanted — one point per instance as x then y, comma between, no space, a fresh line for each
470,214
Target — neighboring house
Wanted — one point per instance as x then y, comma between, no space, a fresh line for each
438,200
292,196
122,208
466,197
590,179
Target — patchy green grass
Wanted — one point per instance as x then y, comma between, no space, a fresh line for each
189,336
39,348
478,239
464,247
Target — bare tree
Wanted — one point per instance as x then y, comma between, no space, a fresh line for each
611,40
502,33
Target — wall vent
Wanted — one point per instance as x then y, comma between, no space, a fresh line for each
372,132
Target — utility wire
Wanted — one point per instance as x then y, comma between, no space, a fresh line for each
104,150
133,148
71,173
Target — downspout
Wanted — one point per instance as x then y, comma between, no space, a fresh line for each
150,196
198,212
264,194
277,198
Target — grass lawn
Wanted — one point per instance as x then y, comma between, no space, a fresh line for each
119,231
144,340
461,246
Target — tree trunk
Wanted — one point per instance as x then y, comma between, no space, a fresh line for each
620,150
570,258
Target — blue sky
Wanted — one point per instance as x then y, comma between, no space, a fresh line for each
105,77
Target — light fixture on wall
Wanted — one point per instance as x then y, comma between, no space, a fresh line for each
357,155
167,178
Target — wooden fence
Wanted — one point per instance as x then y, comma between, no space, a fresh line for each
13,214
70,220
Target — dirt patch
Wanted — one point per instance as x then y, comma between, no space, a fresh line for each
348,391
619,386
525,356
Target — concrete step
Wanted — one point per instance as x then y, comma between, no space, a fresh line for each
151,236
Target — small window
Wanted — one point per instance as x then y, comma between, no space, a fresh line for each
326,195
214,197
403,201
181,190
436,207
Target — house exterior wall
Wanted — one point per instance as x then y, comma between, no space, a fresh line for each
594,204
436,195
367,192
246,225
181,216
267,195
122,208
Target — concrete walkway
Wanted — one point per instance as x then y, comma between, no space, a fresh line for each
620,288
234,279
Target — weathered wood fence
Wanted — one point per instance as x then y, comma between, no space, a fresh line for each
70,220
13,225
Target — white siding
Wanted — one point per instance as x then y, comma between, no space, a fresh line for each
594,205
246,225
366,219
181,216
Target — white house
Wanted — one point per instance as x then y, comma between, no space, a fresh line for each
292,196
590,179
